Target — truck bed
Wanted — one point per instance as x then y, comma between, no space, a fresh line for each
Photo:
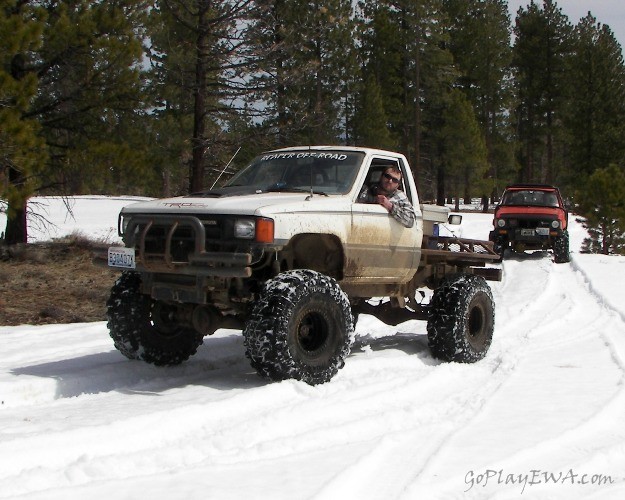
461,252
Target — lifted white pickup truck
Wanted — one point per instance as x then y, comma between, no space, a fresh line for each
285,252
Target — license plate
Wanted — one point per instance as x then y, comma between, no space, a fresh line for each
527,232
121,257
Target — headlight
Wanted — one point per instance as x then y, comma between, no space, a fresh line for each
555,224
501,222
245,229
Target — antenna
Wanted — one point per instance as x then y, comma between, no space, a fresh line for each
224,169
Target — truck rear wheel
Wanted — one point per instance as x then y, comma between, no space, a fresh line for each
461,319
301,327
144,329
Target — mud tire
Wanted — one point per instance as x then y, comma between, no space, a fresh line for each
301,327
500,249
561,249
461,319
144,329
499,245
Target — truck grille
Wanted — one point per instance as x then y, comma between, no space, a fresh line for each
186,244
529,222
533,223
183,241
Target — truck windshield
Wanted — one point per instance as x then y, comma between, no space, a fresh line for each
530,198
330,172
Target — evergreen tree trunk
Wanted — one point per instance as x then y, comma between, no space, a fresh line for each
405,78
440,186
318,119
416,164
548,174
17,228
281,89
196,179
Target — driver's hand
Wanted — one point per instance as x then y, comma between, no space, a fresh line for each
384,201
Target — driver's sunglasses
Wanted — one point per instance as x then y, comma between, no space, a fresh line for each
391,178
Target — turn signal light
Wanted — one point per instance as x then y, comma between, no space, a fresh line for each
264,230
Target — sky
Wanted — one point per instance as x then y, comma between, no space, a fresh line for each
610,12
541,416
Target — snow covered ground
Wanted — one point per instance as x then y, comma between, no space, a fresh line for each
542,416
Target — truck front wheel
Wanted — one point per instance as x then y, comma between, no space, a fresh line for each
301,327
461,319
500,245
561,249
144,329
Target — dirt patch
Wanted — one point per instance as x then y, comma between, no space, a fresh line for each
52,283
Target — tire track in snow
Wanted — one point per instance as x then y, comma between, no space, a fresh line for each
596,433
398,458
595,291
524,325
389,458
568,444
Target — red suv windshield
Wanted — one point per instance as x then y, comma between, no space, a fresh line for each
530,197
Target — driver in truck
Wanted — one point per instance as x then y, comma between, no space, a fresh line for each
387,193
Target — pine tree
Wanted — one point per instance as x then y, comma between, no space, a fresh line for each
463,152
306,69
480,44
199,55
404,44
602,203
89,84
381,55
371,121
541,52
597,107
431,75
22,154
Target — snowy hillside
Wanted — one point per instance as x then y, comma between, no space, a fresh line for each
542,416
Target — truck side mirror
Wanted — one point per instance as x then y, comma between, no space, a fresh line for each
455,219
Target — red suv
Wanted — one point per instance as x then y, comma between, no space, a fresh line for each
531,217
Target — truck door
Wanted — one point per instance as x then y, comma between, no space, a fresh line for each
380,249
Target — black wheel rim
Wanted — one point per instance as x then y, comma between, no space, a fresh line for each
163,319
476,327
312,332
